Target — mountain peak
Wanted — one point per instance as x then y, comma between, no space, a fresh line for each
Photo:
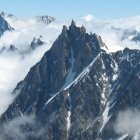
2,13
69,76
45,19
64,28
37,42
12,48
4,25
73,23
5,15
83,29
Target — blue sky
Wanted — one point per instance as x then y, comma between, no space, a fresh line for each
63,9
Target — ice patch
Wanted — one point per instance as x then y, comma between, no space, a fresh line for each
103,101
71,74
105,85
53,96
116,72
68,120
115,77
106,117
69,115
122,137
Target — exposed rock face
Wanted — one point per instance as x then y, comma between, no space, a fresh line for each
5,15
12,48
73,89
37,42
125,93
4,26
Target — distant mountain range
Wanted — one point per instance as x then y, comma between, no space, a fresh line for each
6,19
5,26
132,35
45,19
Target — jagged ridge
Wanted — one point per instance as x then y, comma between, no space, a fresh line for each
71,91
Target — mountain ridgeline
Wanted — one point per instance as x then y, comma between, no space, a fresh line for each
75,92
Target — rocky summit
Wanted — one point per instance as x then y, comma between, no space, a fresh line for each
75,92
36,42
4,25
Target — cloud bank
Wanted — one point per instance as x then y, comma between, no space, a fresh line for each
128,122
20,128
115,33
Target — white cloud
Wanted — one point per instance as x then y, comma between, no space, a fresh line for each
88,18
14,129
22,36
112,31
128,122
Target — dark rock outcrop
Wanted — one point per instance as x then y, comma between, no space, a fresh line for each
37,42
12,48
4,26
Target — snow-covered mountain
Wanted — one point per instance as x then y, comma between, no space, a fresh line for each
24,30
45,19
78,90
82,88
